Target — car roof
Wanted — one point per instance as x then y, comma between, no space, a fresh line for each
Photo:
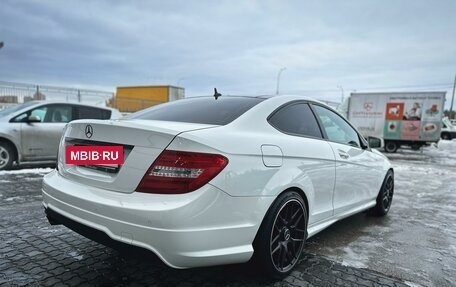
264,97
68,103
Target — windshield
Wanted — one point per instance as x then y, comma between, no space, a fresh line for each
204,110
13,109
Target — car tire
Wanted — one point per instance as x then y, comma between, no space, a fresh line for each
281,237
385,196
6,156
445,136
391,146
415,146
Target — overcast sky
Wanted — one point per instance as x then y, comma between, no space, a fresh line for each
236,46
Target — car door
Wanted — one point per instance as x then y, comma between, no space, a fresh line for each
308,158
40,140
358,170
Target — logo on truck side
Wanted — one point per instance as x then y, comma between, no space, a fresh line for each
368,106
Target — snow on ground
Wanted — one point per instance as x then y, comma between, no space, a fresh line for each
27,171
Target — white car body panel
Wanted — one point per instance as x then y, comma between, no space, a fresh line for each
308,168
217,223
178,228
358,176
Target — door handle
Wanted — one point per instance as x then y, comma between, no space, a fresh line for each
343,154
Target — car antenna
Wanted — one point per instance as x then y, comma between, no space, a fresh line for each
216,94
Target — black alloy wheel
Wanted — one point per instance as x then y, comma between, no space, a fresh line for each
287,236
282,235
385,196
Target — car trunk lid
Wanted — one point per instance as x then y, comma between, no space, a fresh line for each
142,142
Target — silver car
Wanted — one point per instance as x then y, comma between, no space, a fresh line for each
31,131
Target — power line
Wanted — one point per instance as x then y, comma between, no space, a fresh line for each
427,86
409,86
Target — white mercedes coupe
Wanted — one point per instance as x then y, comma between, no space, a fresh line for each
220,180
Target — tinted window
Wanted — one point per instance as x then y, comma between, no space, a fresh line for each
296,119
205,110
336,128
93,113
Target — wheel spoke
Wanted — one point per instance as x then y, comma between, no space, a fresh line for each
290,255
284,256
385,201
279,247
294,215
275,239
290,213
298,220
293,245
299,230
283,220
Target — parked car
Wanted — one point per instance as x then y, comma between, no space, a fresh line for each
448,130
217,181
31,131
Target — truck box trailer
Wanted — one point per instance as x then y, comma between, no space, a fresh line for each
135,98
407,118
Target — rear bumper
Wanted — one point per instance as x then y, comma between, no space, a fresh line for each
201,228
89,232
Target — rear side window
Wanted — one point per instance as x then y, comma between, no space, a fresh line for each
92,113
296,119
204,110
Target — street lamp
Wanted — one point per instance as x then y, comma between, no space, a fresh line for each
342,92
278,79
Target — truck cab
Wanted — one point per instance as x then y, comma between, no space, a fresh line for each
448,130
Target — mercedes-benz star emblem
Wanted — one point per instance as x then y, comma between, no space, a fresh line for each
89,131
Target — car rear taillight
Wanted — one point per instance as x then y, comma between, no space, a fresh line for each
175,172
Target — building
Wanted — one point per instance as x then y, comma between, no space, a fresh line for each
135,98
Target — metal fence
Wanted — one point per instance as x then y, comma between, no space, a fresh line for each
15,93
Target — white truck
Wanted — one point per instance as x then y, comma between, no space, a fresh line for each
402,119
448,129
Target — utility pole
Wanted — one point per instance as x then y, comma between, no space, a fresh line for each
278,79
342,92
452,99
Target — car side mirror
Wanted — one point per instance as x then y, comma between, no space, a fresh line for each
33,119
375,142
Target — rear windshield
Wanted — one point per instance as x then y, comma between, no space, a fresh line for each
204,110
